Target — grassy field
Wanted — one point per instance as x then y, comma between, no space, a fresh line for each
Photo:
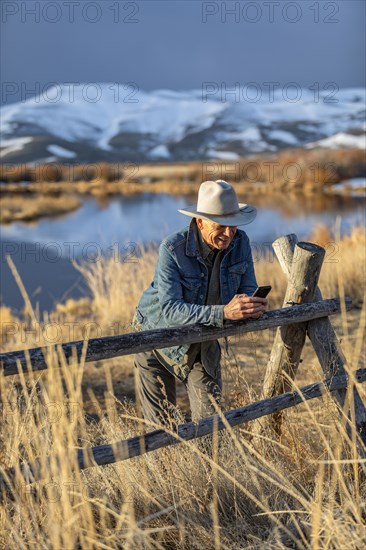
303,490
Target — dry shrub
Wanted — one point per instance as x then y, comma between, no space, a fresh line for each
74,308
116,284
8,324
344,264
317,168
31,208
321,235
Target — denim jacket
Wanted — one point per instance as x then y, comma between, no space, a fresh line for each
177,293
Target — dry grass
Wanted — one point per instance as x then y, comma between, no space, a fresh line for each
20,208
298,491
116,285
295,171
348,253
317,166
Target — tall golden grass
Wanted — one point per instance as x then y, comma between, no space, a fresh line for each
306,490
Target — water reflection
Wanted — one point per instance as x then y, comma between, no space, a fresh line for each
43,251
149,217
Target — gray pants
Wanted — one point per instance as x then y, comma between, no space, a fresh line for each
157,390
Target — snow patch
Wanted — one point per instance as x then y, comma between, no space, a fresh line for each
161,151
61,152
224,155
355,187
340,140
281,135
250,134
12,145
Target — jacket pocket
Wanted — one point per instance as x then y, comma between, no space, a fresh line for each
191,287
236,271
238,268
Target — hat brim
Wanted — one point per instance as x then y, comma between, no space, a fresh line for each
246,214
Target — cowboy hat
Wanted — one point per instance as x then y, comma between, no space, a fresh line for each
217,202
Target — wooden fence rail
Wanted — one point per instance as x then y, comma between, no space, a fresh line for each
99,349
139,445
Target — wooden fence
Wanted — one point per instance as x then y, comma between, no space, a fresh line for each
300,316
141,444
108,347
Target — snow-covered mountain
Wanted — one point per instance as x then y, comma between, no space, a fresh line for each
117,125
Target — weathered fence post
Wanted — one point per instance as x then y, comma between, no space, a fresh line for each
289,341
323,339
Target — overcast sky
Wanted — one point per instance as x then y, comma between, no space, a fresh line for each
180,44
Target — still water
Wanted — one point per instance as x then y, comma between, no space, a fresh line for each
42,251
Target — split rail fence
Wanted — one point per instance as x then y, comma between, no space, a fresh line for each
304,313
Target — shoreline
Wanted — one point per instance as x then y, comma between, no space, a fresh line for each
29,193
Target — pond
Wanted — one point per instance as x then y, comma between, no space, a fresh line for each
42,251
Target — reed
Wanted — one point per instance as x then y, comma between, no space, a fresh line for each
305,490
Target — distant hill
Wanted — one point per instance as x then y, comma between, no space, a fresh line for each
174,126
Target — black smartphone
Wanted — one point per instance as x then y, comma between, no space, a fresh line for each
262,291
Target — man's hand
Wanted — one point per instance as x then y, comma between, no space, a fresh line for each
243,306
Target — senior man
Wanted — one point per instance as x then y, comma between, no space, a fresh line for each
205,275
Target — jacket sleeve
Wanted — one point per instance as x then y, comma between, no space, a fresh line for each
174,308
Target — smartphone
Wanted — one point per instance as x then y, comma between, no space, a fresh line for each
262,291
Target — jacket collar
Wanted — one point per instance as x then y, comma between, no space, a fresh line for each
192,246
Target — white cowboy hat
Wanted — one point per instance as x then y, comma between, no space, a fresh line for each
217,202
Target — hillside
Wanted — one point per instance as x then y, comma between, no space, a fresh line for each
117,124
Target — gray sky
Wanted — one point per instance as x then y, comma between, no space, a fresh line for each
180,44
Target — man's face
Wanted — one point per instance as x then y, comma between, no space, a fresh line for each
215,235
